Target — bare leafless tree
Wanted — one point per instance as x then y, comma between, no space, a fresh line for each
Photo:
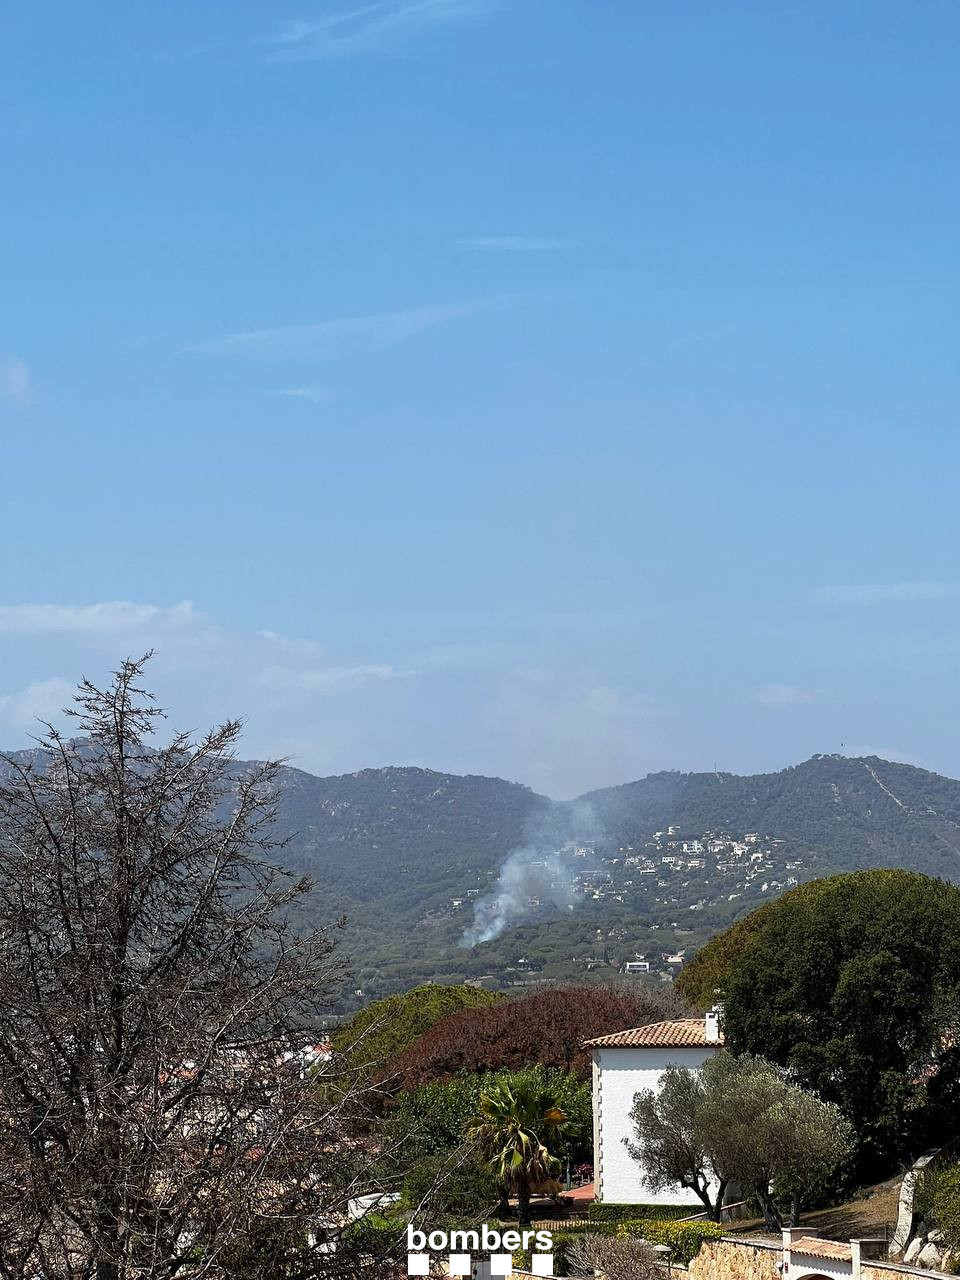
160,1114
613,1258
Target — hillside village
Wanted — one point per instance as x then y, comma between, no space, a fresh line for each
671,870
404,854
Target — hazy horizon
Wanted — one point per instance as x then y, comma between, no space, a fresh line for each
36,739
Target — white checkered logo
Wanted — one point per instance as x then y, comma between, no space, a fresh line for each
459,1251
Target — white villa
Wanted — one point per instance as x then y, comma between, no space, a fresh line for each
623,1064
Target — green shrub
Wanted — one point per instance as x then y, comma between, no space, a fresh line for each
587,1229
607,1211
944,1210
454,1190
684,1238
926,1188
377,1235
434,1118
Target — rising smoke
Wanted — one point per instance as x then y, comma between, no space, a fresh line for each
540,873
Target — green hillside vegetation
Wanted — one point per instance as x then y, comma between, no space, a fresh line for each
400,837
855,812
403,853
398,846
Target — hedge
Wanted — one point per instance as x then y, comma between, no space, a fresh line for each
587,1229
684,1238
608,1211
944,1208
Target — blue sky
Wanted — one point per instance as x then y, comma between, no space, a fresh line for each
562,389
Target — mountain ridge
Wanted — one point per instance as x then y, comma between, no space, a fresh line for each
652,867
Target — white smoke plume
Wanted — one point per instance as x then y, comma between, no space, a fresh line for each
540,873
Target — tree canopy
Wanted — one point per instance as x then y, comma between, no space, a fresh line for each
737,1120
548,1027
386,1027
515,1128
852,982
703,978
671,1142
434,1118
427,1132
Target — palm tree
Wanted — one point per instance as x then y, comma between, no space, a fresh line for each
512,1122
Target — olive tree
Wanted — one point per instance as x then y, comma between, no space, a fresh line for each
737,1120
672,1142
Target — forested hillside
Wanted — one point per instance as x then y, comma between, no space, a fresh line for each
401,838
405,854
854,812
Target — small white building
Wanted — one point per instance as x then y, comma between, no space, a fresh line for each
624,1063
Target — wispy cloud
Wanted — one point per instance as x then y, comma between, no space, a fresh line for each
297,698
313,394
777,697
42,701
16,385
377,27
884,592
336,339
118,616
292,646
330,679
518,244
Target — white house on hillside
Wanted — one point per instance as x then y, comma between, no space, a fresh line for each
623,1064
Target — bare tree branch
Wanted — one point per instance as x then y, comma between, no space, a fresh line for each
162,1112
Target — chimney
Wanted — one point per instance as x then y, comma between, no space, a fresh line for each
711,1024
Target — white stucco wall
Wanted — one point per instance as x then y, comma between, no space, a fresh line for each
618,1074
800,1265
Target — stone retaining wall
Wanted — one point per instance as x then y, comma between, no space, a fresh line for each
743,1258
746,1260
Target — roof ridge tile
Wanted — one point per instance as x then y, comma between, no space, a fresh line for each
676,1033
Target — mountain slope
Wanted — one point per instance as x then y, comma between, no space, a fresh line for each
405,852
402,836
856,812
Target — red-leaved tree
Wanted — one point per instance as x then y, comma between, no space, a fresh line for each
548,1027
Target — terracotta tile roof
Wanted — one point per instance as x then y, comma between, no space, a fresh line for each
581,1195
678,1034
834,1249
